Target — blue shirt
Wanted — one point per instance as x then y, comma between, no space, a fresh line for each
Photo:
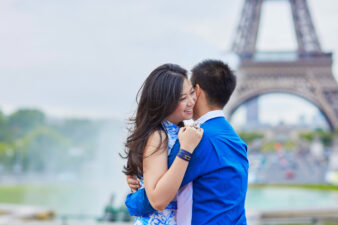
219,171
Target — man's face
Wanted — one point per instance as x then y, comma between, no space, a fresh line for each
195,116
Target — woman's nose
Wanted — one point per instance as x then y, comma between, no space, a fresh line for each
191,101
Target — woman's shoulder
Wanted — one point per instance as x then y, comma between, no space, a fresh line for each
157,137
156,141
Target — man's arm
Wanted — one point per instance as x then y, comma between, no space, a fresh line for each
199,160
199,163
138,203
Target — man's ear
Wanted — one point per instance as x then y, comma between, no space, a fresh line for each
197,90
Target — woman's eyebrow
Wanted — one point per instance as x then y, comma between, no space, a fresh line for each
191,89
186,93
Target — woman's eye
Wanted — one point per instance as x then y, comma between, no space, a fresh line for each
181,99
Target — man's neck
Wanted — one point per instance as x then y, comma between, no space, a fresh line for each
205,109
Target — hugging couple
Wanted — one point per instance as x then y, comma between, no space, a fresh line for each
179,174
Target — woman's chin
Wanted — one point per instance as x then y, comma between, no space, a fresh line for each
188,117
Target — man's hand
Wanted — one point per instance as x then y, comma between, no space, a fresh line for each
133,183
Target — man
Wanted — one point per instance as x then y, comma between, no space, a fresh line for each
218,168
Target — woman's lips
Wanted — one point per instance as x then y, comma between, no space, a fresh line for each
189,111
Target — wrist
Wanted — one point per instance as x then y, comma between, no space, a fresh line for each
187,148
183,154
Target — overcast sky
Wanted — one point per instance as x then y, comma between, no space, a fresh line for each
89,57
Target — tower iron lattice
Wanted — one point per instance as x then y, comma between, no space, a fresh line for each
306,73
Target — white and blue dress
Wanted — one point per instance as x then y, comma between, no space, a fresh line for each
168,215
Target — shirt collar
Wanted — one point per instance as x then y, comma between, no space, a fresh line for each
210,115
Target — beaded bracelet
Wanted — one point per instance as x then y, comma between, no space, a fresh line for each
185,155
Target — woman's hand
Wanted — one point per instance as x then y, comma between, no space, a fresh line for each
190,137
133,183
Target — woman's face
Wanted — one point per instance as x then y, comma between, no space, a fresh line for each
184,110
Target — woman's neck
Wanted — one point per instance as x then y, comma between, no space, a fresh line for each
169,120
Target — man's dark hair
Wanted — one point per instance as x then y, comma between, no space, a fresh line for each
216,79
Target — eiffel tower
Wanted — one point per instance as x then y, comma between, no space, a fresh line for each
306,73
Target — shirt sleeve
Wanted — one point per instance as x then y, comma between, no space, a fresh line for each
138,203
198,164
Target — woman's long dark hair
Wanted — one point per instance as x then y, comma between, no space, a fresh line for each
160,95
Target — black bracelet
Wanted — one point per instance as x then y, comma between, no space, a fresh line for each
185,155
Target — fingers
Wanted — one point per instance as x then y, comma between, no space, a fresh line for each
182,131
133,183
132,180
196,124
192,129
134,188
189,137
199,131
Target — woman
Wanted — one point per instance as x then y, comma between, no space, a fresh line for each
167,98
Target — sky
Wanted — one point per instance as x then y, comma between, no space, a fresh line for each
88,58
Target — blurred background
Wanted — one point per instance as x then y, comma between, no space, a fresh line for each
70,71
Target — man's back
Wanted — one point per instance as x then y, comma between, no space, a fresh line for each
219,170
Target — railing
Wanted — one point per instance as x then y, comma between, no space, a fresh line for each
287,56
301,216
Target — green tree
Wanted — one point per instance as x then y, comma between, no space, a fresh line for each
325,136
6,156
268,146
23,121
80,130
4,131
83,133
248,137
43,149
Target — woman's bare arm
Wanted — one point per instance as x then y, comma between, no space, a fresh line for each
161,183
